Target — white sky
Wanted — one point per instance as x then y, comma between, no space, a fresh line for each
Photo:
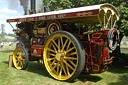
10,8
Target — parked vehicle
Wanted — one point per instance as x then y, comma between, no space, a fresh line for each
67,41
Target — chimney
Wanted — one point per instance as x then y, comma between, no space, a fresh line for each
33,7
25,10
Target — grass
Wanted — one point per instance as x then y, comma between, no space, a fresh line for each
37,75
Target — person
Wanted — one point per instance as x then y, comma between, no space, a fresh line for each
9,43
2,44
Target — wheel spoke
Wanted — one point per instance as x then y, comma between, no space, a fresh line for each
58,44
51,50
52,54
68,71
63,69
61,41
55,43
21,64
68,45
54,47
70,58
24,62
70,49
64,44
17,63
68,65
52,63
57,67
60,72
53,68
72,63
72,53
49,59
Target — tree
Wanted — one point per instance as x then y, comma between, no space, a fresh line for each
121,5
12,35
2,31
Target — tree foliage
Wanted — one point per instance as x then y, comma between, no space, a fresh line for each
2,35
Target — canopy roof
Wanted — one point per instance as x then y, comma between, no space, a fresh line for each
93,13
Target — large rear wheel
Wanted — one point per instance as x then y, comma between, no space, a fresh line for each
63,55
20,58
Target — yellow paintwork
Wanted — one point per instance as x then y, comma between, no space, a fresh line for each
60,57
18,58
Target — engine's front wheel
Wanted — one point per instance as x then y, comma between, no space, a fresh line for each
20,58
63,55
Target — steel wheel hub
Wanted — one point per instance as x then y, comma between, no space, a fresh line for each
59,56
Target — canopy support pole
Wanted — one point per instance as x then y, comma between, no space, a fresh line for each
11,25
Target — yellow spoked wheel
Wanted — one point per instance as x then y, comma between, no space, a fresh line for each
20,58
63,55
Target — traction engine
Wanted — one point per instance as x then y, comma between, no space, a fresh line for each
68,41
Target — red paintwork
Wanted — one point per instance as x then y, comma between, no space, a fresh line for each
54,16
93,63
106,52
36,50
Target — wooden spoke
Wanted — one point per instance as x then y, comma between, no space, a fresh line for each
68,65
51,50
61,41
55,43
72,63
71,58
60,72
63,69
58,44
52,63
74,53
64,44
70,49
24,62
57,68
21,64
54,47
54,67
49,59
68,45
67,70
52,54
18,62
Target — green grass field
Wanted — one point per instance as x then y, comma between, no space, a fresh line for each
37,75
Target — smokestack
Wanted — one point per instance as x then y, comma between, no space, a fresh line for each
33,7
24,3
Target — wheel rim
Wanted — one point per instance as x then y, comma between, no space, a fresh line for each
19,58
20,44
60,57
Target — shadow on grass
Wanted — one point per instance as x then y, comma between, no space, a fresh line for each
87,77
6,51
36,68
119,66
123,80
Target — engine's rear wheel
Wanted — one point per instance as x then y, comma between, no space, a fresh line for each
20,58
63,55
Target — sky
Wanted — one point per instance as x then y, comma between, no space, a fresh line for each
10,8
